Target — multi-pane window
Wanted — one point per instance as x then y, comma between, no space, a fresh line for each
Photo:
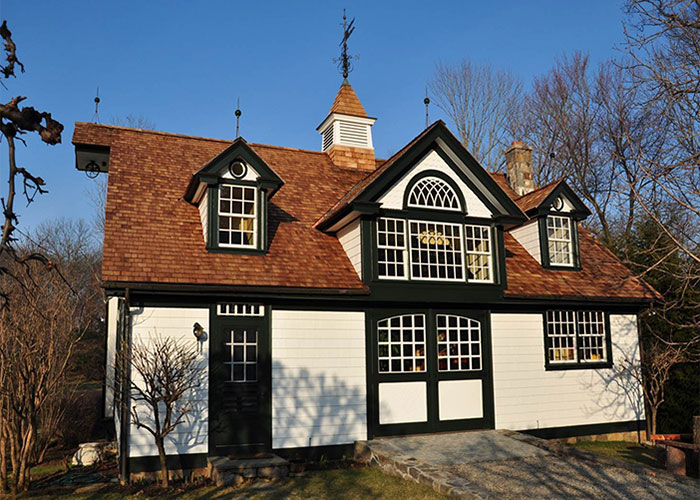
458,343
478,246
436,251
243,363
591,335
561,330
237,216
576,337
401,344
391,248
433,192
560,241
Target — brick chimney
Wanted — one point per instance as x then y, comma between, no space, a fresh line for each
346,133
519,168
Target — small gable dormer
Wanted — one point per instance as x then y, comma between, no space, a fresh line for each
346,133
551,234
231,193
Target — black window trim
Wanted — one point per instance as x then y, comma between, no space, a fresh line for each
578,365
212,243
544,243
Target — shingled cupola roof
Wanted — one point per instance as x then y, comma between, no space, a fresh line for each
346,133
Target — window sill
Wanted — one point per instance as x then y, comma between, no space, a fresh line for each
578,366
237,250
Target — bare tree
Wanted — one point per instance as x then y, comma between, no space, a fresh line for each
15,121
652,372
480,101
663,43
38,333
133,121
163,372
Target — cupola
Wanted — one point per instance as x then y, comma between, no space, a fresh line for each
346,133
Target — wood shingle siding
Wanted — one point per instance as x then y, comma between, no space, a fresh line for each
528,397
318,378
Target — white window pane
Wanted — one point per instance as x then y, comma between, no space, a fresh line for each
433,192
237,216
401,344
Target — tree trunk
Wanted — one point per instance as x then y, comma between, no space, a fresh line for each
165,479
654,411
3,455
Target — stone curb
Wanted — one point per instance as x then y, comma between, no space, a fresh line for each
563,450
439,480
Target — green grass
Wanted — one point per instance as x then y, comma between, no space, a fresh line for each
348,484
624,450
43,470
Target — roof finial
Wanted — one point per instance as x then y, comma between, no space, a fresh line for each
345,60
238,117
96,116
426,101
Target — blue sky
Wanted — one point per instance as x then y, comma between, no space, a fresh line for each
182,65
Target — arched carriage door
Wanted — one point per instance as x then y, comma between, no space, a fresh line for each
431,372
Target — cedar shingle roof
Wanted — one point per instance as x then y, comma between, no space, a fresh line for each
535,198
347,103
153,236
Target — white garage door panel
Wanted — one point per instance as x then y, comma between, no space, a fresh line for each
460,399
402,402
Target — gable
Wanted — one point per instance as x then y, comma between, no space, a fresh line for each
394,197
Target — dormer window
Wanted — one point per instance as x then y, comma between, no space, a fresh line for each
433,192
232,193
238,225
560,241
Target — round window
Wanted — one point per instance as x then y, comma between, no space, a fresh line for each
558,204
237,169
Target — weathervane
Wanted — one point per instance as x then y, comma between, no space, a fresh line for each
345,59
238,117
426,101
96,116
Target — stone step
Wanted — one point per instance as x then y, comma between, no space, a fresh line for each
227,471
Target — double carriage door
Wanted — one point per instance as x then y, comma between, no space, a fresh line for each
432,372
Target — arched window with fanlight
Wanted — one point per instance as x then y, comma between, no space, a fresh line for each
435,193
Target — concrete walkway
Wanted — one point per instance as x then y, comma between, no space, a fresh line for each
507,465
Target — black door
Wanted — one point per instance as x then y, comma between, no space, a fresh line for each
239,395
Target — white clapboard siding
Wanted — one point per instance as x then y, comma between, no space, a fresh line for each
528,397
112,317
350,239
319,386
393,199
191,435
204,214
528,235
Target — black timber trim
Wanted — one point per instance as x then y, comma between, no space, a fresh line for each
587,429
239,150
317,453
212,243
580,211
544,244
443,177
187,461
578,365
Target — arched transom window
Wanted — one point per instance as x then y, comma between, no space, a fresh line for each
433,192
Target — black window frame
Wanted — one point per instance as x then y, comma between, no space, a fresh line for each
578,364
544,243
212,243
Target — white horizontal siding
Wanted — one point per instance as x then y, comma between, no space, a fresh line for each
528,397
191,435
528,235
319,392
350,239
112,318
393,198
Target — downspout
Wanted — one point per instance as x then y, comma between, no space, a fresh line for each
125,396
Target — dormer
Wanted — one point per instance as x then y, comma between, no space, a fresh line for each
231,193
346,133
551,234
